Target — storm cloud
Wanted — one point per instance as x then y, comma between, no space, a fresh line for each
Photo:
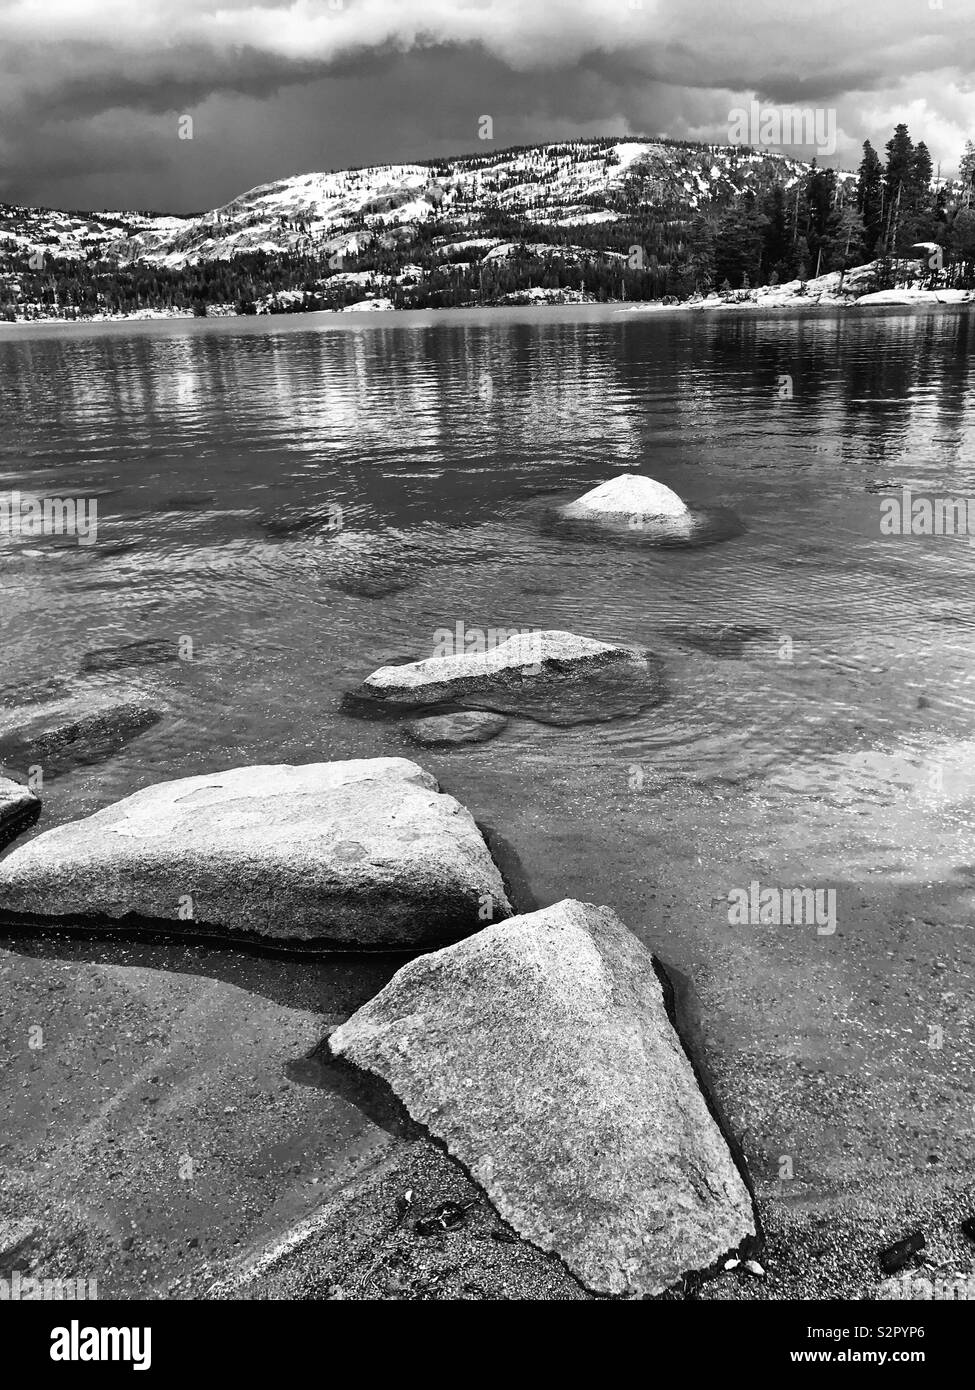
92,92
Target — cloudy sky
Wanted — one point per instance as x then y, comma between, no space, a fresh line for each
92,92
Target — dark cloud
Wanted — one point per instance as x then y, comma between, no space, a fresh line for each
90,93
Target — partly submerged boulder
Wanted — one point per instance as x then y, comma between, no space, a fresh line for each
453,730
361,854
631,498
19,808
540,1052
553,677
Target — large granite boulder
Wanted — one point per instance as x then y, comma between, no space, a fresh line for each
348,855
540,1052
19,808
553,677
630,497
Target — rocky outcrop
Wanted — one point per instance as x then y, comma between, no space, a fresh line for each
19,808
346,855
553,677
540,1052
630,497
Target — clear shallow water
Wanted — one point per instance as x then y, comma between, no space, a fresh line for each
216,451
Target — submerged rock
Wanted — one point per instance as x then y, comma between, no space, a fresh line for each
552,677
32,693
19,808
470,726
366,853
540,1052
150,651
630,497
727,640
190,501
65,736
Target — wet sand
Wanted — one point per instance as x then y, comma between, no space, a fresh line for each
853,1111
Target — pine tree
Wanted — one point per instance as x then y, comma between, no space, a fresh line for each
966,172
870,196
963,242
923,172
899,174
843,245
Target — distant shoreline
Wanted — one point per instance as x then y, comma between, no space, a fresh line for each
762,303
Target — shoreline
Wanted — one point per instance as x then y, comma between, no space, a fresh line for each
882,299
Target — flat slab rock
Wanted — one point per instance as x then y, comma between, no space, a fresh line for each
553,677
360,854
19,808
540,1052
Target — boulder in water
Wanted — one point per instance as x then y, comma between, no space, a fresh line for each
362,854
540,1052
553,677
630,497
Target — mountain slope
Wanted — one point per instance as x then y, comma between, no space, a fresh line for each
584,182
600,218
558,185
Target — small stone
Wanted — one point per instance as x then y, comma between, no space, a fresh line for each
895,1256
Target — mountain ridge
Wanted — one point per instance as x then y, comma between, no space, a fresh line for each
599,218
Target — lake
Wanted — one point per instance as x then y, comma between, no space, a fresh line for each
300,500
